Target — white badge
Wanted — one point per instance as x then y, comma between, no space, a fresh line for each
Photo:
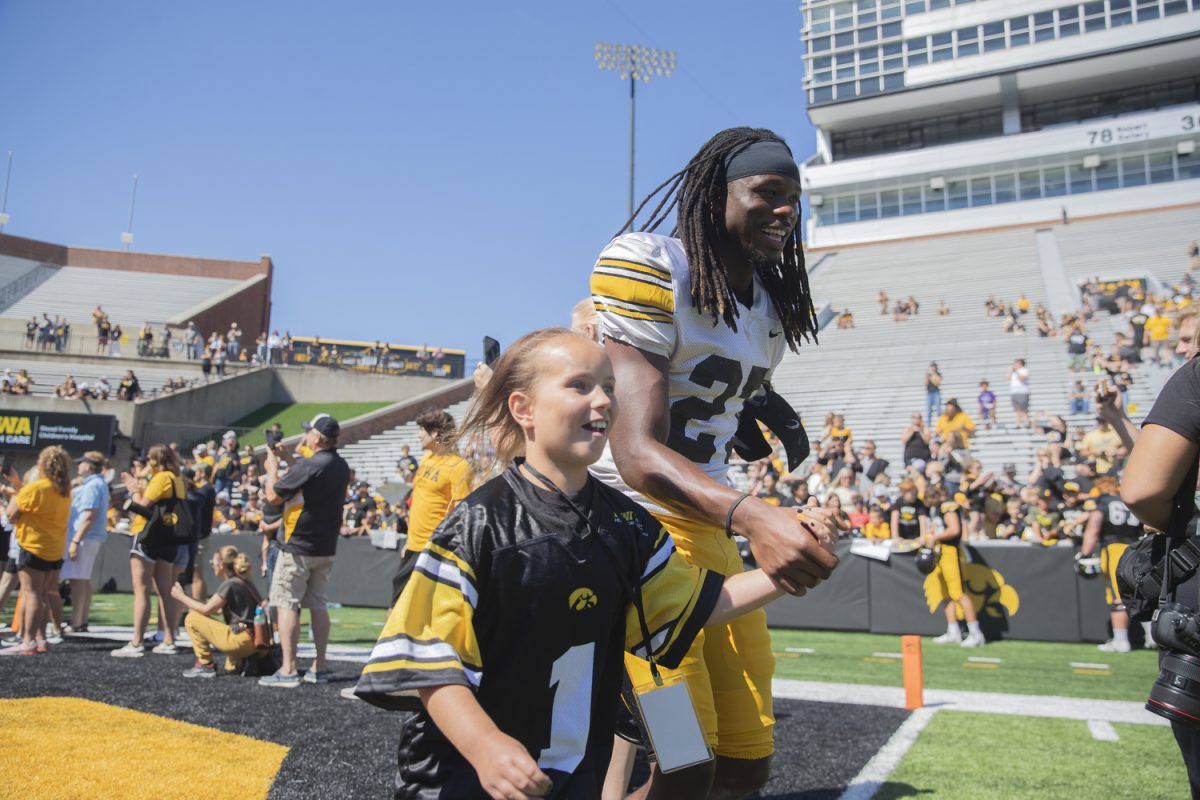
670,721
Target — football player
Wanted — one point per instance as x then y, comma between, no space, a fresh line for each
945,521
1112,527
695,324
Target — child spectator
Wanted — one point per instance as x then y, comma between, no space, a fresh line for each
876,528
987,405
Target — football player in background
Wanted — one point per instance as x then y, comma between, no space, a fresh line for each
945,534
1111,527
695,324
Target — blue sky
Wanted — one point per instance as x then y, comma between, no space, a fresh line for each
419,172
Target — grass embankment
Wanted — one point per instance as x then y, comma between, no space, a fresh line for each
290,415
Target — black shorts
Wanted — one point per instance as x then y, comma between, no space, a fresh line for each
27,560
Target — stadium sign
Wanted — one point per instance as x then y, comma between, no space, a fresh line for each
30,431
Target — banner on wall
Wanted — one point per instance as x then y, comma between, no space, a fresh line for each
30,431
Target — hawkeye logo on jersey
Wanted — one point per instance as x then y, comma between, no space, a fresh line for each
582,599
628,518
16,430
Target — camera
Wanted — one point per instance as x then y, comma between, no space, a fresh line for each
1176,693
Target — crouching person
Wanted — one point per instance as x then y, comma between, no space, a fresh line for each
237,599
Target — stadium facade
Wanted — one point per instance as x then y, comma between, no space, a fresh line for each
935,116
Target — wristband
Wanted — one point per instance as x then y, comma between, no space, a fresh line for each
729,516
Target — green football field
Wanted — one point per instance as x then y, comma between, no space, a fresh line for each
958,754
290,415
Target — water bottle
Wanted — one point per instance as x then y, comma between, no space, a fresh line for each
262,630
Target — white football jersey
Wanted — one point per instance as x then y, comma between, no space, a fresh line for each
641,288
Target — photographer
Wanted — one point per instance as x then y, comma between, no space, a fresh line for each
1161,476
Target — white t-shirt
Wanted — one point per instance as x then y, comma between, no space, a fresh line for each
1018,381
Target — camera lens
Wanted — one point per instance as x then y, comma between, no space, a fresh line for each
1176,693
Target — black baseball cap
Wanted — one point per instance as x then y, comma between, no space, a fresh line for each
323,424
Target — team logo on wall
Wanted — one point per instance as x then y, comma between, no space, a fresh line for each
985,586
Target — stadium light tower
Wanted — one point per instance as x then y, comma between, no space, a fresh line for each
634,63
127,236
4,206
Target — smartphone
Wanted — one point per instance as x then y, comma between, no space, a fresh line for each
491,350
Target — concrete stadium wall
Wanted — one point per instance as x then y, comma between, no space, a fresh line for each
212,405
325,385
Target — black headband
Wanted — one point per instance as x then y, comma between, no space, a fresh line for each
768,157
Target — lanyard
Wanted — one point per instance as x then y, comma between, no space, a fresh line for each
634,591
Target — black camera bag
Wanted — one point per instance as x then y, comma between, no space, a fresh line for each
1142,567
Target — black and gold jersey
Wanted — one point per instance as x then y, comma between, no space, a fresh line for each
909,525
938,519
516,599
1119,524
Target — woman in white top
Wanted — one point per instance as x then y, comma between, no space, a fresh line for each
1018,390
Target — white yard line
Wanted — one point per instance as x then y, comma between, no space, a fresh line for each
982,660
1088,665
798,650
982,702
888,655
876,771
1103,731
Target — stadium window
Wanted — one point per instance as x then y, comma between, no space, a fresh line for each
868,206
822,94
1147,10
1162,167
820,44
1108,175
1043,26
890,10
846,90
1055,179
825,214
889,203
891,30
1173,7
968,41
1120,13
821,17
1133,170
1093,17
845,72
936,4
1068,21
910,200
1031,184
1080,178
943,48
822,62
868,86
956,194
846,211
1005,188
867,34
843,39
935,200
893,81
868,67
914,7
981,191
1018,31
1189,166
993,36
823,77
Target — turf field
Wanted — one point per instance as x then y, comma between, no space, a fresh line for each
290,415
1040,668
311,743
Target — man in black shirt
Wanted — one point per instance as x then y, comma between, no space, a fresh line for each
312,492
202,498
1161,477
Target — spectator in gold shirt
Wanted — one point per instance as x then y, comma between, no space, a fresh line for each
955,420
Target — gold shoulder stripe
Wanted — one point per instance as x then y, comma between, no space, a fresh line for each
631,290
624,312
657,272
453,558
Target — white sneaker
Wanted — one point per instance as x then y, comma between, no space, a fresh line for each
1114,646
130,650
54,638
948,638
973,640
165,649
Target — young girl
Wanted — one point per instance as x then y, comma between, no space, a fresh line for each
512,628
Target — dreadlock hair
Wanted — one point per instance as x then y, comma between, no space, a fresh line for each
699,192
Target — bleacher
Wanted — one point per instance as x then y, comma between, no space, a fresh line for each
129,298
1151,243
874,374
48,374
374,459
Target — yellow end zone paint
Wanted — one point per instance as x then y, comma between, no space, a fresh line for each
47,731
973,665
874,660
1100,672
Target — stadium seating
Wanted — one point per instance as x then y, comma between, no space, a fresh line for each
152,376
374,459
1134,245
130,298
